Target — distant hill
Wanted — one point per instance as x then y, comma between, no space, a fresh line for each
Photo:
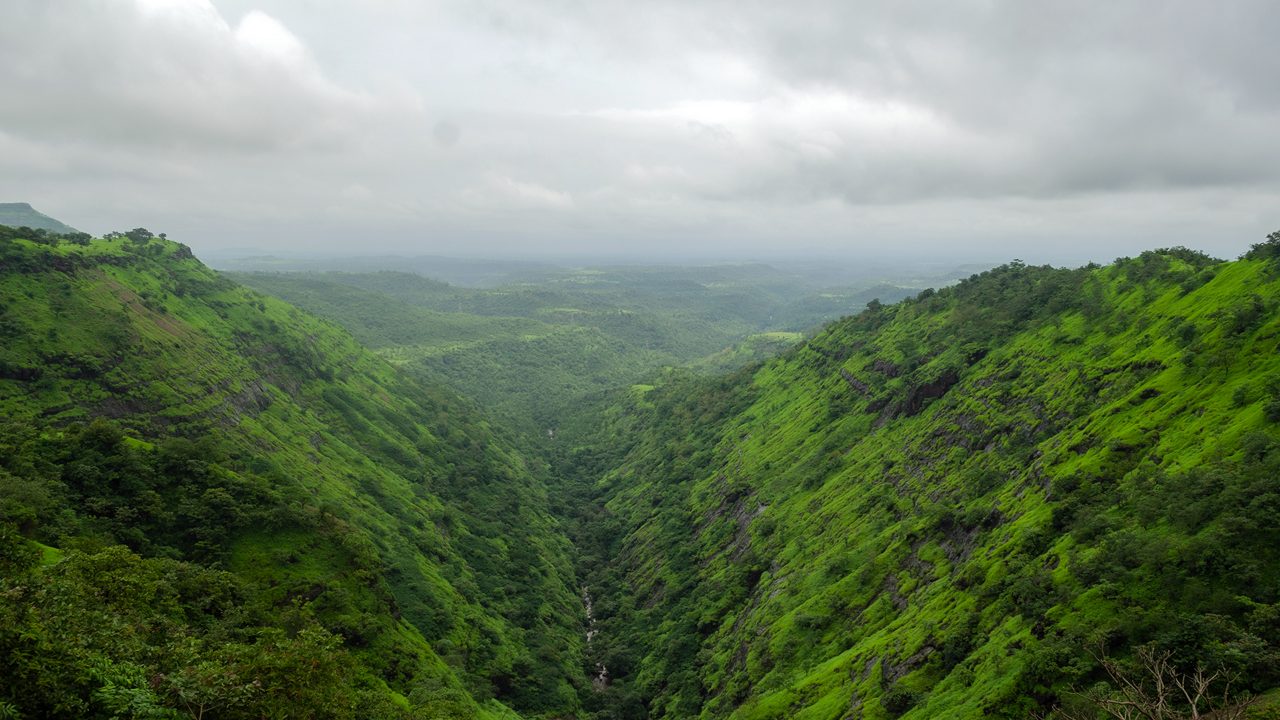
21,214
467,272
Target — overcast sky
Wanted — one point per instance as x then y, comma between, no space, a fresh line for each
1051,131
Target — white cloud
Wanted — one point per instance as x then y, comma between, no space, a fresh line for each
264,35
502,190
171,73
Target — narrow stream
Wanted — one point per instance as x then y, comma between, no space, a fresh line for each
601,679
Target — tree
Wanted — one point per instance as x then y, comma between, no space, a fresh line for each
140,236
1269,249
1156,689
17,556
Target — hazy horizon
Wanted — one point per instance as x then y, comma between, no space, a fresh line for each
971,132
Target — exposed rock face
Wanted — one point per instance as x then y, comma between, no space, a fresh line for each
915,400
916,397
859,386
886,368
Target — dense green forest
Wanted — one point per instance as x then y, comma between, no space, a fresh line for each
989,500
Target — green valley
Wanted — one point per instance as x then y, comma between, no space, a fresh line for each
334,494
668,360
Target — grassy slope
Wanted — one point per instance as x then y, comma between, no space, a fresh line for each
934,508
447,518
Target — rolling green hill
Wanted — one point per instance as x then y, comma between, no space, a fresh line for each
253,512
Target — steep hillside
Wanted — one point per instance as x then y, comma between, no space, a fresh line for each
306,531
951,507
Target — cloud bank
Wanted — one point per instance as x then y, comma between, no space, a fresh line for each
1050,130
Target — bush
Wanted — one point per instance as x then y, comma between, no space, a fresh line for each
17,556
1272,410
897,700
1268,249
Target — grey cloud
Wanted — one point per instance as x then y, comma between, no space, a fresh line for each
166,72
1083,97
734,126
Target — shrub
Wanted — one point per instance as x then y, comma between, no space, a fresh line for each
897,700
